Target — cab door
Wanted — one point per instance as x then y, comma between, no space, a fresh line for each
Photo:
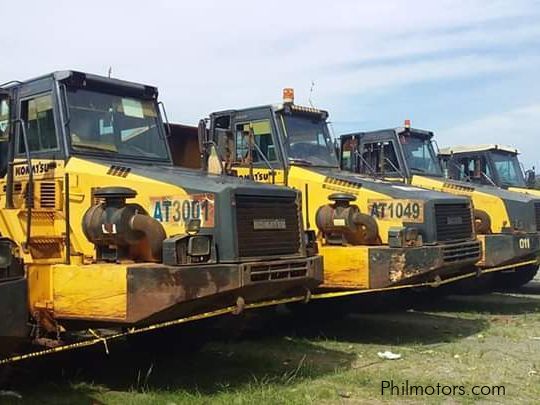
380,157
250,148
44,190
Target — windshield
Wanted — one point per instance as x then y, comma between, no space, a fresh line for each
110,124
308,141
420,155
508,169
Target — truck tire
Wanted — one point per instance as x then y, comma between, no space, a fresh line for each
482,222
515,279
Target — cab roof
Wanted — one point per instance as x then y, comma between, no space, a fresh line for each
280,107
477,148
80,79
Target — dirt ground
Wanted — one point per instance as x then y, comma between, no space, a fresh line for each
481,348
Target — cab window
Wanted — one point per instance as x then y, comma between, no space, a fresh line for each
37,113
474,169
374,160
262,137
348,148
4,117
4,136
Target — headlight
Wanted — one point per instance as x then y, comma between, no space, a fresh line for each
198,246
403,236
187,249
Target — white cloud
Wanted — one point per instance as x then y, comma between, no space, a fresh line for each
519,126
207,55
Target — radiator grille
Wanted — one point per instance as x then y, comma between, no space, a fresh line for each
453,222
267,226
537,215
462,251
47,194
285,271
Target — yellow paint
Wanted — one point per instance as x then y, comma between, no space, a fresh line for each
83,291
40,284
491,204
530,191
96,291
345,267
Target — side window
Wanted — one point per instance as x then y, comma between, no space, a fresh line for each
386,161
4,135
262,137
348,156
459,169
473,168
39,118
4,118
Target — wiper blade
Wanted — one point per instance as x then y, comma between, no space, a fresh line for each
299,161
418,169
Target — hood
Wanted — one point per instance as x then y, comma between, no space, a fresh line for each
195,181
394,189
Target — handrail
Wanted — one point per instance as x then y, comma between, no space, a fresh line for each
30,184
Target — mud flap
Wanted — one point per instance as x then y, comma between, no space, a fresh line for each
13,297
13,312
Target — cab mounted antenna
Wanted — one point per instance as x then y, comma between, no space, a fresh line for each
311,93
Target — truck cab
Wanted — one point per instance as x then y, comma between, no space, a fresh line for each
100,229
507,222
372,234
489,164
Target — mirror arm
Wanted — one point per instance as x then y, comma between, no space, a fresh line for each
272,171
66,105
489,179
371,169
167,125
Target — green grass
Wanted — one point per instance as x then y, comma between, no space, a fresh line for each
461,340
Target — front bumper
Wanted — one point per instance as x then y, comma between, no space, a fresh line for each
374,267
502,249
149,292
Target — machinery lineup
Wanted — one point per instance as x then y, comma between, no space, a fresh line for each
114,221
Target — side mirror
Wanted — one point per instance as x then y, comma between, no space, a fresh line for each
202,135
4,119
215,165
530,178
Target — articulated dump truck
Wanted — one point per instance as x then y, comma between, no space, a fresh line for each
490,165
506,222
373,235
100,232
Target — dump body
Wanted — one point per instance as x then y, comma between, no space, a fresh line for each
101,230
505,221
368,250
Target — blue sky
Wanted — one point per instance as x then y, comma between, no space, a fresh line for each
468,70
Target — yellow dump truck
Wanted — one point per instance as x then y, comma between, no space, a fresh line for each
507,222
490,165
372,234
99,230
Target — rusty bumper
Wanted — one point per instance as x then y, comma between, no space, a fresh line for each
159,292
395,266
501,249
